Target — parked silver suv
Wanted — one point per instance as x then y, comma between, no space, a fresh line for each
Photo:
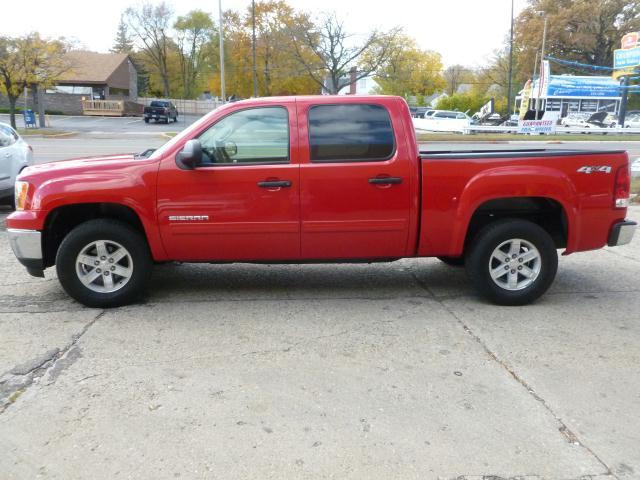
15,154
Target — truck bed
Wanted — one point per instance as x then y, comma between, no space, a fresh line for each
459,185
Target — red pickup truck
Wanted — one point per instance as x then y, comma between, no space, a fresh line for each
316,179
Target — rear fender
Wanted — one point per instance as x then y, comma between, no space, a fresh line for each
513,182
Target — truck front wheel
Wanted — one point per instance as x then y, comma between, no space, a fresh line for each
512,262
104,263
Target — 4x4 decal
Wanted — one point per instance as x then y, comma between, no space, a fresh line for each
595,169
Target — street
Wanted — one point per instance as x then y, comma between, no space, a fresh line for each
390,370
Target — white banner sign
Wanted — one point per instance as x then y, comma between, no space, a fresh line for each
537,127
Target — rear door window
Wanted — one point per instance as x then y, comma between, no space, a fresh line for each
350,133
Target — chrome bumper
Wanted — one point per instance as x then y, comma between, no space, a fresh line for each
27,247
622,233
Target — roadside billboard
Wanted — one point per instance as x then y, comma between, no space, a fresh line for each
630,40
626,58
581,86
536,127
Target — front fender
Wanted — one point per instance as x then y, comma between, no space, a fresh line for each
121,188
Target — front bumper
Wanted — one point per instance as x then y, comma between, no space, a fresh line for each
27,247
622,233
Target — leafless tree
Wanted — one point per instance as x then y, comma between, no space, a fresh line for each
150,25
454,76
327,52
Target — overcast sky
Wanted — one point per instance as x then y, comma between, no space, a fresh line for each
463,31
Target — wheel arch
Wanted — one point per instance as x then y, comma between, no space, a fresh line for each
62,219
548,213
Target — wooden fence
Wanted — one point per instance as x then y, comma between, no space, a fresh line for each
193,107
109,108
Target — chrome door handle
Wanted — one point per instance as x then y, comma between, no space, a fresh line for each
385,180
275,184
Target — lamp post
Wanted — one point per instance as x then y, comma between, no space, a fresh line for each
222,86
253,46
510,62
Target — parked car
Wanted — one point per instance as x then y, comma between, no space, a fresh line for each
635,168
15,155
160,110
602,120
423,112
316,179
443,121
632,121
575,120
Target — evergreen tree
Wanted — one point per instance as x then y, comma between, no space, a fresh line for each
123,43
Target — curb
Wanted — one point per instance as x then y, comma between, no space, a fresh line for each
56,135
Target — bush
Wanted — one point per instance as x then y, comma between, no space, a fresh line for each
462,102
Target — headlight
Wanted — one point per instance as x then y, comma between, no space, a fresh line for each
22,189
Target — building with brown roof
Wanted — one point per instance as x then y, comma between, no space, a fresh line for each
99,76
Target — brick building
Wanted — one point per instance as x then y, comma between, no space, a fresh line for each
98,76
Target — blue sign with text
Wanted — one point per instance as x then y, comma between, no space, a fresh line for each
570,86
626,58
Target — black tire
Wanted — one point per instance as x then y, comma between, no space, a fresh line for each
146,120
452,261
110,231
479,262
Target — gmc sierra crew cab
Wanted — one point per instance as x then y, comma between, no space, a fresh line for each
316,179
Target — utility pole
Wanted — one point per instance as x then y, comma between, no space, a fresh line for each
253,45
510,63
624,87
222,86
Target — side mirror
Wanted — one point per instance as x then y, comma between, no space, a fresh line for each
190,156
231,148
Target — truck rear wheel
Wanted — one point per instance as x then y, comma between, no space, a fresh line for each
512,262
104,263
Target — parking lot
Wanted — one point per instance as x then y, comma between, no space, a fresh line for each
392,370
128,126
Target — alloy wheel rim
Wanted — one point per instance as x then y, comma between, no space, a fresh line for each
515,264
104,266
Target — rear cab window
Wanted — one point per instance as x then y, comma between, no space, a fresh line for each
350,133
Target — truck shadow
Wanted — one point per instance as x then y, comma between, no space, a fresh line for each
406,278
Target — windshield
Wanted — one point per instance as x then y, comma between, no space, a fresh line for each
186,133
156,103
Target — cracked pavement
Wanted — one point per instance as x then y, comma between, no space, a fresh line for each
323,371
